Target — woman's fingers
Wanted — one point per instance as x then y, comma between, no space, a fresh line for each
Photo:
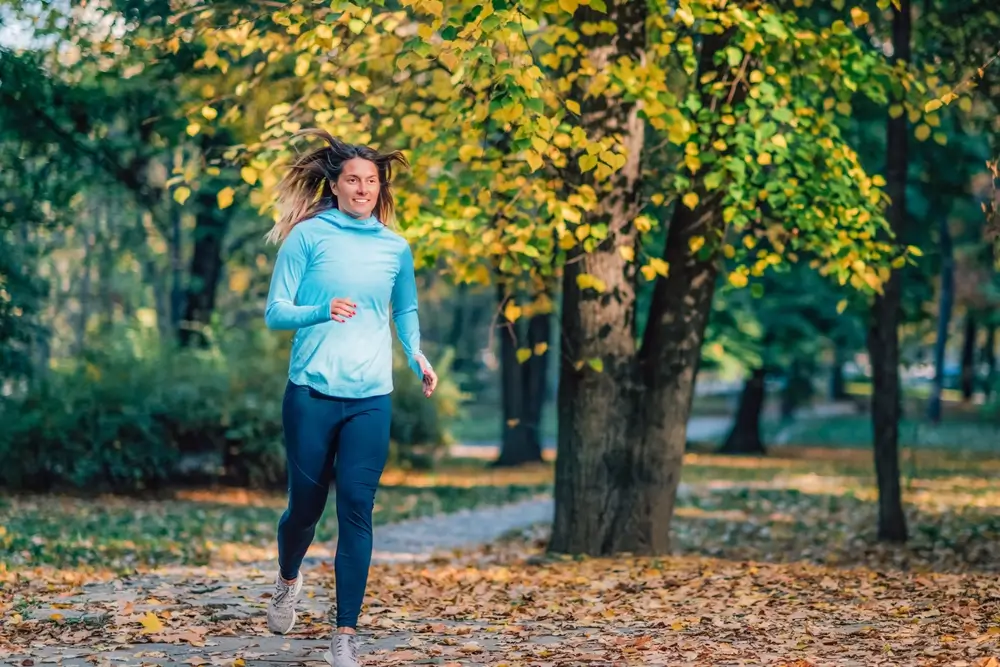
340,309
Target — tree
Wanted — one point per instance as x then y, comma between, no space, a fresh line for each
883,336
622,118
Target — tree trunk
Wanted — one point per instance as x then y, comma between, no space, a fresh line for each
945,306
838,387
744,438
597,464
206,268
969,357
85,289
535,380
622,432
883,334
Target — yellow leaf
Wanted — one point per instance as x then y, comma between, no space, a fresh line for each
523,354
209,112
534,160
729,251
150,623
659,266
181,194
690,200
302,64
573,106
540,349
225,197
512,311
249,175
923,132
469,151
596,364
859,16
585,280
737,279
648,272
627,252
779,141
569,6
239,281
582,232
193,129
587,162
511,423
764,159
941,138
933,105
896,110
878,180
842,306
696,242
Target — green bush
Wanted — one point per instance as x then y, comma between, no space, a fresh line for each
131,419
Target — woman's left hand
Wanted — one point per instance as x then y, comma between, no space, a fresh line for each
430,377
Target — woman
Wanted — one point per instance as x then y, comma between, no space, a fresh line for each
338,273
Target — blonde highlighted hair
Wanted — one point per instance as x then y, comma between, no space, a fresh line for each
305,190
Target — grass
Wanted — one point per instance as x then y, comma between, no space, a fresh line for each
199,527
856,431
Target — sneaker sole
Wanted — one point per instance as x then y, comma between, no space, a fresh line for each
328,657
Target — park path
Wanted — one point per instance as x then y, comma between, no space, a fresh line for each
238,595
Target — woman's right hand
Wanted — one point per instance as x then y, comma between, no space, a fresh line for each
340,309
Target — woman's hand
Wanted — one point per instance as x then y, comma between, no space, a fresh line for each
430,377
341,308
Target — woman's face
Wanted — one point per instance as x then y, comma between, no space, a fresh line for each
357,188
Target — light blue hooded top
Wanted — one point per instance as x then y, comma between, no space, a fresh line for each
335,255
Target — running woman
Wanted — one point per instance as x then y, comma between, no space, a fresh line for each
339,275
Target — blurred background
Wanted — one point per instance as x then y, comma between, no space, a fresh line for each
133,355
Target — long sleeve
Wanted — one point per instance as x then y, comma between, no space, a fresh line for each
404,311
281,311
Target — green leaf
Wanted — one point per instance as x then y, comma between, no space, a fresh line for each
597,364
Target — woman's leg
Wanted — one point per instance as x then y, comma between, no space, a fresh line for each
362,450
309,423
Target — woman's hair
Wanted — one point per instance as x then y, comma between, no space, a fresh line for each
306,188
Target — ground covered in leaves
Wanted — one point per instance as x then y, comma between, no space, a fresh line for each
774,563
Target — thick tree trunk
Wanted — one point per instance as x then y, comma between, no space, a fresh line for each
969,357
597,463
744,438
206,269
945,306
622,431
883,334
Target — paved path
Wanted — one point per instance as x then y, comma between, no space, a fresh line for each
237,595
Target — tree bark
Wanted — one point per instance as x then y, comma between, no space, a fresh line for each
969,357
206,268
945,306
883,334
597,463
744,438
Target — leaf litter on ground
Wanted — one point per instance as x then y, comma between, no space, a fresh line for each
777,567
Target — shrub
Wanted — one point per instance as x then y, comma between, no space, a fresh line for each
131,419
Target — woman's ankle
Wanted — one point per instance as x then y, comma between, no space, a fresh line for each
346,631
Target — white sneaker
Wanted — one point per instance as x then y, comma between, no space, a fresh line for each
281,608
343,651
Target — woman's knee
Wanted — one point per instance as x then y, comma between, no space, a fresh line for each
356,500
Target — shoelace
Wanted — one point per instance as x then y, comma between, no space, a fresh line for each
348,647
281,593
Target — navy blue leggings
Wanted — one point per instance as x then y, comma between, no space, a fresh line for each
345,441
